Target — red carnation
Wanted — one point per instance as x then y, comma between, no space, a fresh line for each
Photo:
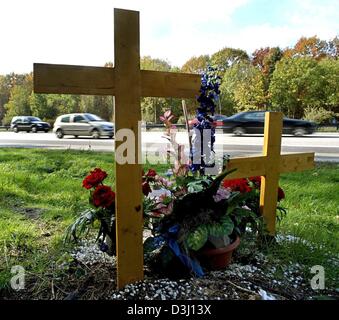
240,185
281,194
94,178
103,196
151,173
146,189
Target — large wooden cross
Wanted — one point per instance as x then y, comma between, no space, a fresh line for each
128,84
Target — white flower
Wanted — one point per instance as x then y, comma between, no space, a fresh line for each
160,193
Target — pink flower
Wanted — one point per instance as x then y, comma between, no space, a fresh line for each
167,116
222,194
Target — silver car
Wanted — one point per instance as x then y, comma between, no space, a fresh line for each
83,124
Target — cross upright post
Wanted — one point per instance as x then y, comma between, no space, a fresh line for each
128,176
270,181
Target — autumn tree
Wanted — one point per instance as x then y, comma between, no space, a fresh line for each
313,47
265,60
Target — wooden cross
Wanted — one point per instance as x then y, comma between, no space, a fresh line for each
269,166
128,84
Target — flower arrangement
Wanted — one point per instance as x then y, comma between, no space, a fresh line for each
190,213
186,210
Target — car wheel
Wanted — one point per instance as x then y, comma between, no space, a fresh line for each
46,130
34,129
299,132
111,137
75,136
59,134
95,134
15,129
238,131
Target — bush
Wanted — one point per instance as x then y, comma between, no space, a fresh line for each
318,114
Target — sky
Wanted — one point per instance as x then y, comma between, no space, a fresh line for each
80,32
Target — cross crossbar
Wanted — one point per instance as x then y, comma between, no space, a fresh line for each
56,78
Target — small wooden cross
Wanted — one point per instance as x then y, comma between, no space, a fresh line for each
128,84
269,166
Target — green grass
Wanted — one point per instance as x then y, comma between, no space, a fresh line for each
48,183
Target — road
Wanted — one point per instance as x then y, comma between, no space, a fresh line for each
325,145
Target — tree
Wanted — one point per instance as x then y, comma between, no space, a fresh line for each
243,88
151,108
265,60
313,47
4,96
8,82
19,100
329,73
227,57
196,64
297,83
333,48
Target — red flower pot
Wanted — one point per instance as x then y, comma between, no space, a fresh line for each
217,259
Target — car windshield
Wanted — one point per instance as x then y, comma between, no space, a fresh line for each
93,117
34,119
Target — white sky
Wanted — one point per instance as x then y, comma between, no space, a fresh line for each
81,31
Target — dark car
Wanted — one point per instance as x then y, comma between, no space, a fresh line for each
253,122
29,123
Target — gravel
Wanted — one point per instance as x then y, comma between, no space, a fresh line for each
259,279
88,253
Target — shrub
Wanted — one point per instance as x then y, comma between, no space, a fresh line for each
318,114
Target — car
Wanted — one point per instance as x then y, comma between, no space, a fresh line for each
82,124
29,123
252,122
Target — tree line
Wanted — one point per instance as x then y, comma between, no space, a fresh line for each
301,81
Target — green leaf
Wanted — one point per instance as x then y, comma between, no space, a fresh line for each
197,238
217,230
227,224
150,245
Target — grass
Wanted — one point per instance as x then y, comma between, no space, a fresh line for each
41,194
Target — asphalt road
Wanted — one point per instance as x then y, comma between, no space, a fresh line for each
325,145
